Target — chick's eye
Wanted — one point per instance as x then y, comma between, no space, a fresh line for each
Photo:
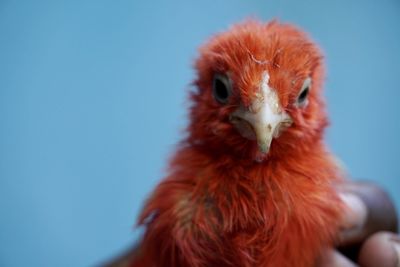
303,95
302,100
221,88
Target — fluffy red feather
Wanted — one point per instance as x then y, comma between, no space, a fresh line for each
223,202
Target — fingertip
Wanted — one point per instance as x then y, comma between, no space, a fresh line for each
354,218
333,258
396,244
380,250
369,210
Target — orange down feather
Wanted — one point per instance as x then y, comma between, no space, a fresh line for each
225,201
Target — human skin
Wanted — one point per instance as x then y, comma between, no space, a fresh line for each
369,225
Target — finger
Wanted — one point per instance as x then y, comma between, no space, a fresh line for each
370,210
354,218
332,258
381,250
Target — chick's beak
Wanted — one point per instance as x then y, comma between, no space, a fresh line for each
261,126
262,121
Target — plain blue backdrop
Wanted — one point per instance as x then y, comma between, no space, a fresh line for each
93,99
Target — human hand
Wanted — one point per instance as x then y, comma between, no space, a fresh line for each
367,238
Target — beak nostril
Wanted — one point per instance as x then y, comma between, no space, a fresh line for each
234,118
255,106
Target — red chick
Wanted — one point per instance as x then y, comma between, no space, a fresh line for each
252,182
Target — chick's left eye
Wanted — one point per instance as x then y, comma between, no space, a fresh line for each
221,88
302,100
303,95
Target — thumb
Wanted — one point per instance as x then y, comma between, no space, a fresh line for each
369,210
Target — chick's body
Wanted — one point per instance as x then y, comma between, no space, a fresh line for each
251,185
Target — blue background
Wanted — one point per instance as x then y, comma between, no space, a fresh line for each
93,97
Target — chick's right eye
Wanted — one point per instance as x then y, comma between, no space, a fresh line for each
221,88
